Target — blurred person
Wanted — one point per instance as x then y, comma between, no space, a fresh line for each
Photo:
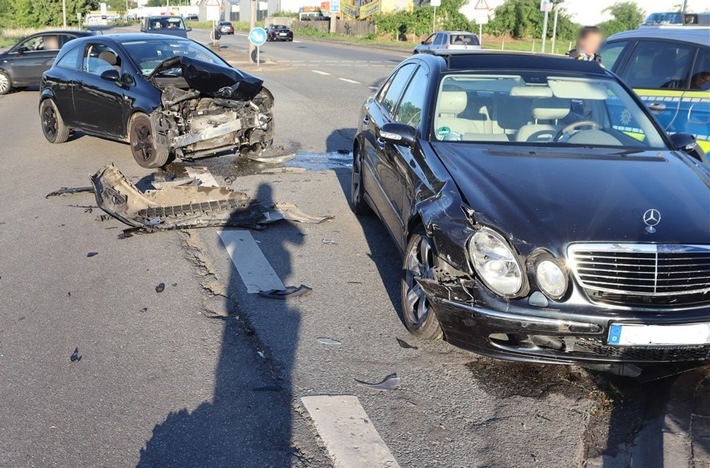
589,41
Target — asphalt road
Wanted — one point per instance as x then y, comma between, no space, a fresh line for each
99,369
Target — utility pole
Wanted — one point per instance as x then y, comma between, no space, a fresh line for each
556,6
544,30
685,6
64,13
252,24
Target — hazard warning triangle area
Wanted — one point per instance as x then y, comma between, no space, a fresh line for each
212,3
480,5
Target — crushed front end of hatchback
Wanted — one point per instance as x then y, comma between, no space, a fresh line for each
211,109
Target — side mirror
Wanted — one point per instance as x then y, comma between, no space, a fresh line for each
111,75
686,143
683,141
398,134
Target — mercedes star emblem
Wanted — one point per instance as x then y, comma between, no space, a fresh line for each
651,217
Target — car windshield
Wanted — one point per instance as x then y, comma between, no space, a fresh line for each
463,39
148,54
539,108
167,22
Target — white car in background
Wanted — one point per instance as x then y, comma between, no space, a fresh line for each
449,40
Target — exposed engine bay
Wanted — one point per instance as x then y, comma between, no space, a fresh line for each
207,109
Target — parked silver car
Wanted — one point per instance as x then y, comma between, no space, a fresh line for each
449,40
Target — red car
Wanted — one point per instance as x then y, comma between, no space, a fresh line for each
280,33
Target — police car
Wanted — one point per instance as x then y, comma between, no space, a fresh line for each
669,68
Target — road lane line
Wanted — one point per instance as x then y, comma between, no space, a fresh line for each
321,72
348,80
254,269
347,432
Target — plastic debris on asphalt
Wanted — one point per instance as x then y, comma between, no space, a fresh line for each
391,382
406,345
287,292
329,341
160,288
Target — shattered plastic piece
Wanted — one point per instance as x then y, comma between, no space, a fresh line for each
329,341
391,382
287,292
406,345
160,288
272,155
176,207
69,191
75,356
92,254
261,354
330,241
144,309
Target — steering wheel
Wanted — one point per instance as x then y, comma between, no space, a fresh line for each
572,128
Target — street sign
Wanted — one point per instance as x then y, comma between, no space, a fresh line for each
546,5
480,16
212,13
482,5
257,36
435,3
335,6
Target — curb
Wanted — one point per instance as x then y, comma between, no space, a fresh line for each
358,44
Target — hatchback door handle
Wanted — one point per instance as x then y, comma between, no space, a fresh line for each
366,120
381,142
657,107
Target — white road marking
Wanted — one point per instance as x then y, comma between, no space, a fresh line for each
321,72
203,175
254,269
348,433
348,80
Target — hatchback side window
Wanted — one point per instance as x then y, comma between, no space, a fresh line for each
429,39
700,79
99,58
32,44
659,65
390,93
409,110
69,59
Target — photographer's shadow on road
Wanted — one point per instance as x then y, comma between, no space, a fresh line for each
247,422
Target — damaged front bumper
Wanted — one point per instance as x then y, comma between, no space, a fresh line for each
530,331
186,206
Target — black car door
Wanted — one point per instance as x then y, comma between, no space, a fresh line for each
99,103
379,157
61,79
32,57
408,162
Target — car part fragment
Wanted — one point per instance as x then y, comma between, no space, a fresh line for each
176,207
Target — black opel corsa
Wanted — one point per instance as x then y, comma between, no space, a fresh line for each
542,213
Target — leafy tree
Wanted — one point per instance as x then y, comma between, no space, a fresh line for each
523,19
39,13
420,20
156,3
627,15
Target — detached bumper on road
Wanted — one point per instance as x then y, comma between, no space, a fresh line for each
516,330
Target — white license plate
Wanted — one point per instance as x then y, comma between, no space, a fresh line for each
282,34
659,335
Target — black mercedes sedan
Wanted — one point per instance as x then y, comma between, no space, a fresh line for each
542,213
166,96
23,64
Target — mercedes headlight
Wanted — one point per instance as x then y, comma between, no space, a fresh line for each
551,278
495,262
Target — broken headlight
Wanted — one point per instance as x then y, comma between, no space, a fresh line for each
551,278
495,262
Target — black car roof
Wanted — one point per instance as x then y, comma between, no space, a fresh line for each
121,38
498,60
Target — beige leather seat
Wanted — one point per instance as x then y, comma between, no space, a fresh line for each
450,105
547,113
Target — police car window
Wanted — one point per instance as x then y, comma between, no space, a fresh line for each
410,109
611,52
389,97
659,65
700,79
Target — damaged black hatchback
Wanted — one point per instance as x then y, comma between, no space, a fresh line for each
542,213
166,96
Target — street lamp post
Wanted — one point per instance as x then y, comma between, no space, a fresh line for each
64,13
556,6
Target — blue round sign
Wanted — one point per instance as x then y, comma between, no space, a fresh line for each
257,36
